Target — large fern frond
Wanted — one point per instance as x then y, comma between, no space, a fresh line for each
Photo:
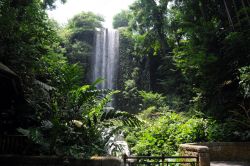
126,118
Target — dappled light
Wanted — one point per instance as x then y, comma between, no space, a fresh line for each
136,82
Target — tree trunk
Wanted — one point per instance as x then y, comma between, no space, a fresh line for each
228,15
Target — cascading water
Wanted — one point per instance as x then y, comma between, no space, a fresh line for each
105,59
104,65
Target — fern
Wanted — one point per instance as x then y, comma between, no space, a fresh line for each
126,118
86,94
70,130
44,85
102,103
35,136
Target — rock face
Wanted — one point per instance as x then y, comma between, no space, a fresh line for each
218,151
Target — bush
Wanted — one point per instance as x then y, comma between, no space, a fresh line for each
152,99
163,134
77,130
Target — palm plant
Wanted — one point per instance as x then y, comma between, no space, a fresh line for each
77,130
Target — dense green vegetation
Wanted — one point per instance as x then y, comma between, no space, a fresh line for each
184,72
59,113
193,57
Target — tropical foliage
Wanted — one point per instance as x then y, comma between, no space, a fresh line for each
62,116
69,131
192,57
164,132
184,71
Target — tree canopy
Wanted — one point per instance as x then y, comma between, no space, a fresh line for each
121,19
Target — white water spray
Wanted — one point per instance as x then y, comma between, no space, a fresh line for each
105,65
105,59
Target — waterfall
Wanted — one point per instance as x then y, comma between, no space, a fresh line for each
105,59
104,65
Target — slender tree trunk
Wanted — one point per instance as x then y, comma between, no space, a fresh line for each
228,15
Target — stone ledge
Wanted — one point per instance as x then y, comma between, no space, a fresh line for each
195,148
217,151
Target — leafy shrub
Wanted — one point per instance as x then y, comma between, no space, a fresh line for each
220,131
245,80
152,99
162,135
130,97
76,130
56,71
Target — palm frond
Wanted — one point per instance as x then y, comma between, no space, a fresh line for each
44,85
126,118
